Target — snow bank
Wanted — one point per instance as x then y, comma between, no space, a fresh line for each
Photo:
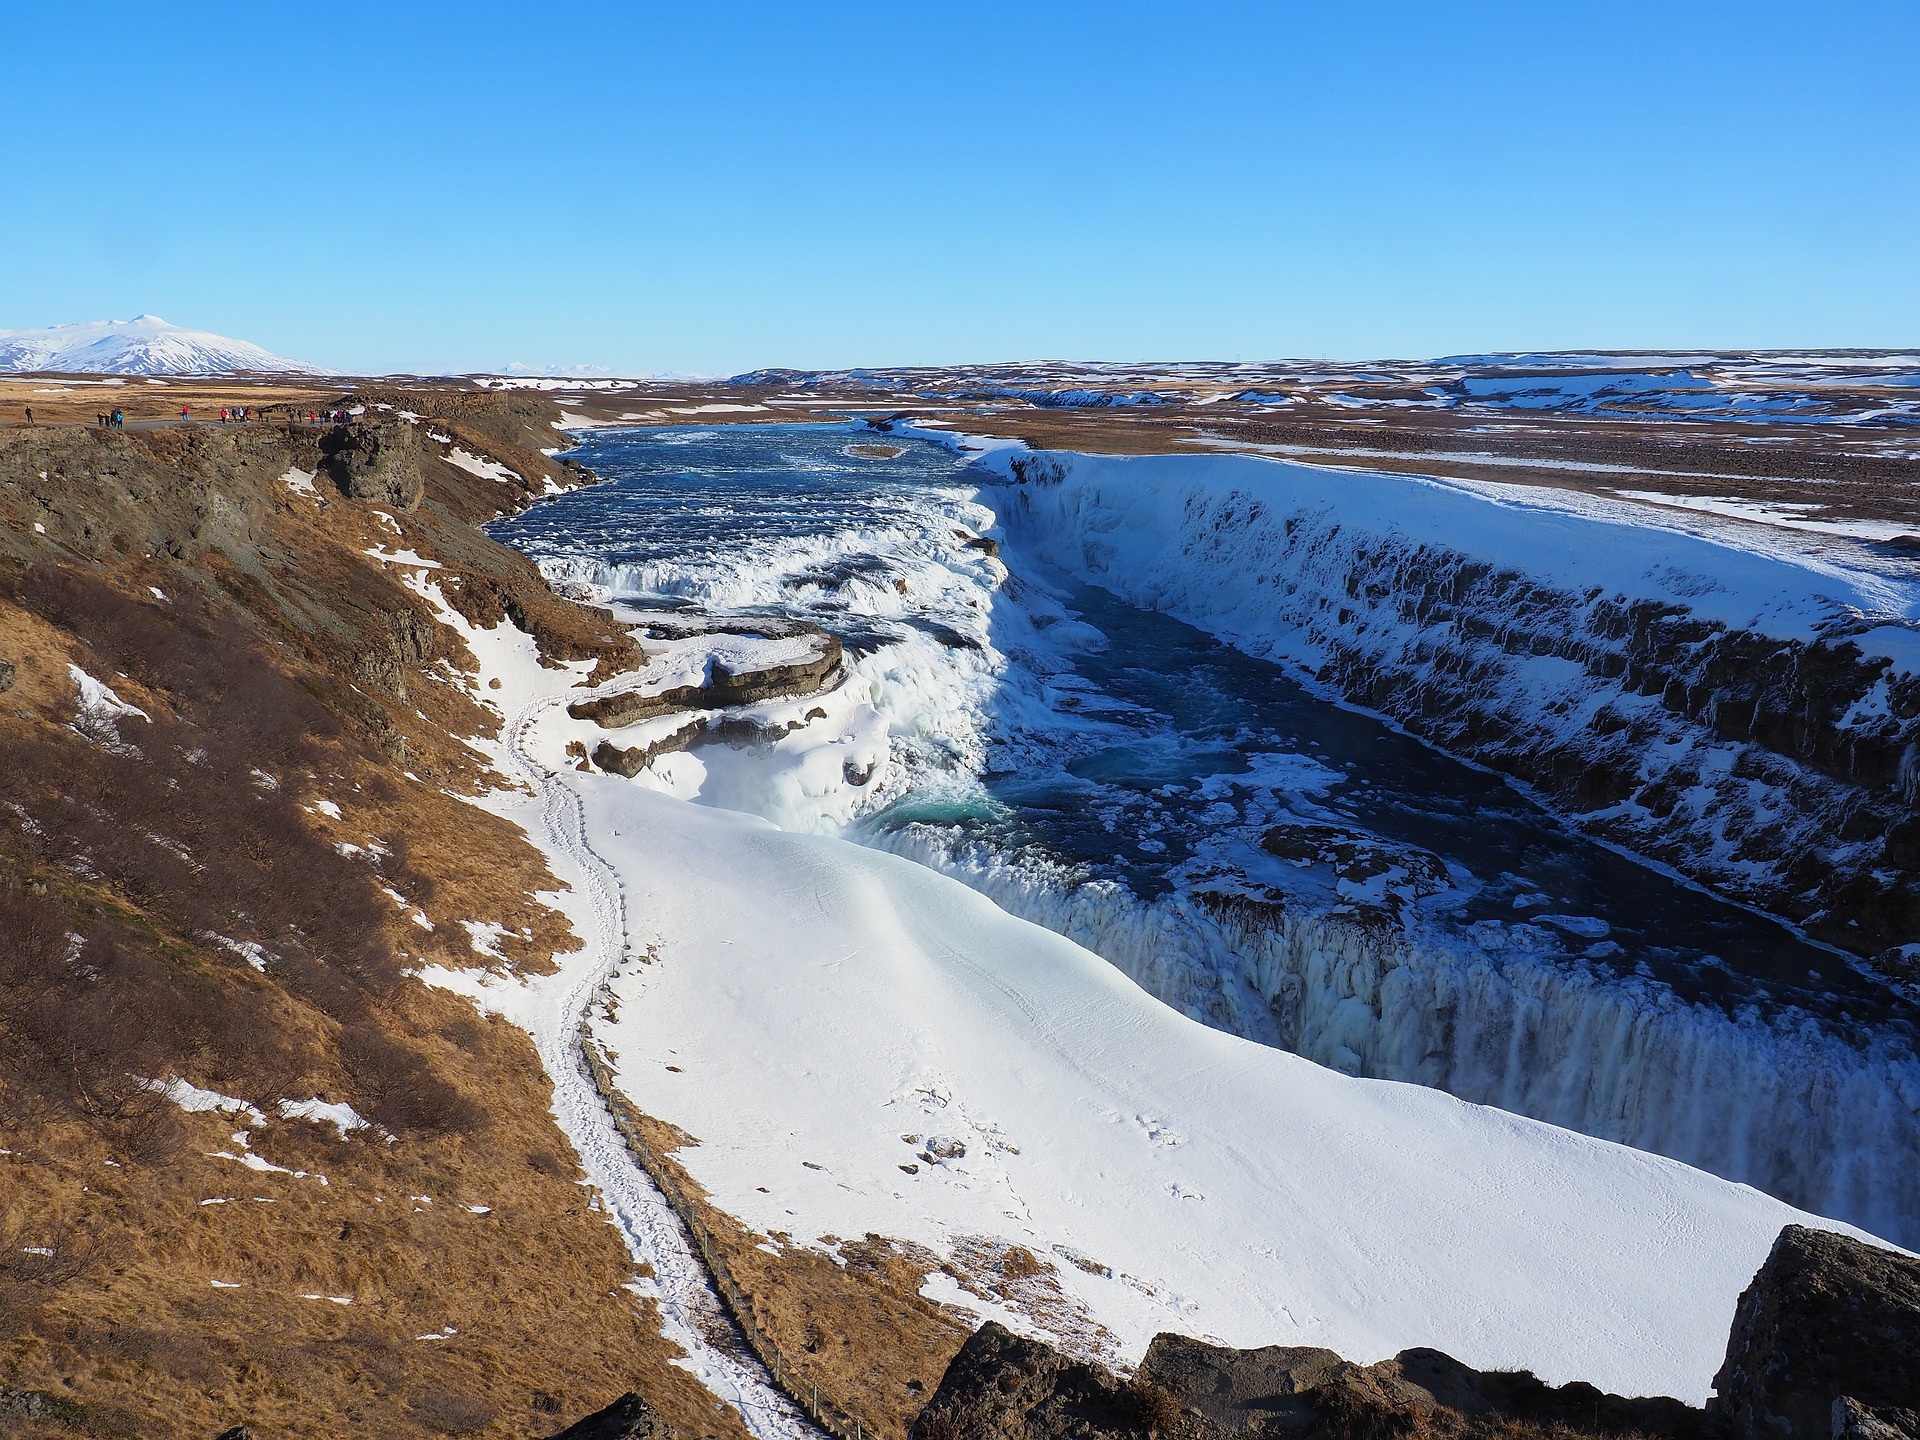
1209,1184
1207,538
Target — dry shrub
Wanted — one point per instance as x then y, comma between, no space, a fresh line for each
178,823
452,1412
400,1089
1160,1412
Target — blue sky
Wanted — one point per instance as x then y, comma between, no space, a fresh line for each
707,188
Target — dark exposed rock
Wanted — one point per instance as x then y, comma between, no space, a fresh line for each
1241,1389
1000,1385
6,674
632,759
32,1405
1826,1317
723,730
986,545
722,688
1288,1389
238,1432
628,1418
376,460
1854,1421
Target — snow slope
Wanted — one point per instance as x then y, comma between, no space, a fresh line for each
144,345
533,795
823,1002
835,1015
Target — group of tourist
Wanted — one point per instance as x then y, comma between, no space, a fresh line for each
231,415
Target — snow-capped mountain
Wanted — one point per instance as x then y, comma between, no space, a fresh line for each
144,345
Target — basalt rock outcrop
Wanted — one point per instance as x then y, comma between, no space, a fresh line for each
376,460
630,760
628,1418
1001,1384
722,688
1826,1340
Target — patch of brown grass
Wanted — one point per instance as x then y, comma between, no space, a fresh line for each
469,1222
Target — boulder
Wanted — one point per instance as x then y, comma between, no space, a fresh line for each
6,674
1854,1421
1241,1390
628,1418
1289,1390
1826,1319
1001,1384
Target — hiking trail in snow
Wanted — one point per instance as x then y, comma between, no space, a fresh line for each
691,1314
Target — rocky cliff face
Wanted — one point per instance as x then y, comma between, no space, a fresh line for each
1729,713
377,460
1780,770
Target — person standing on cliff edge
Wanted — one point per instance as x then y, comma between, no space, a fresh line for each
29,414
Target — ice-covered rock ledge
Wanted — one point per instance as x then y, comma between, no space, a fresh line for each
1740,709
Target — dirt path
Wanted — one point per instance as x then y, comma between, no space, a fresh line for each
690,1312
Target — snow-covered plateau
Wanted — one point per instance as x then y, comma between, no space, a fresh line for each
860,1043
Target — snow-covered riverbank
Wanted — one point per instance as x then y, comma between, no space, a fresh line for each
860,1044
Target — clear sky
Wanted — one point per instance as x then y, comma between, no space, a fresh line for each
707,187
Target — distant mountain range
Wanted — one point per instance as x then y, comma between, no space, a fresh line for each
144,345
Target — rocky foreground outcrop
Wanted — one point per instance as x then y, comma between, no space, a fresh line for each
628,1418
1001,1385
1826,1340
1825,1343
